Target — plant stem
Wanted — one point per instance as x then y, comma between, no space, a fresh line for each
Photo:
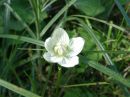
85,84
49,74
58,81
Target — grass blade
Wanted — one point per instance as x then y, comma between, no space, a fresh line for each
17,89
7,17
108,51
56,17
104,22
110,73
23,38
106,56
47,5
85,84
123,11
31,33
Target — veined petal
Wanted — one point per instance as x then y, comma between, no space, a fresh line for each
50,58
76,46
60,36
49,45
69,62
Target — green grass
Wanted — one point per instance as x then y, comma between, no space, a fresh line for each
103,69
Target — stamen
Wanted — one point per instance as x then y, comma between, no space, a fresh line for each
60,49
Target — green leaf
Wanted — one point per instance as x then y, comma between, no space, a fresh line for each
73,93
77,92
22,8
15,25
124,1
20,20
56,17
22,38
1,24
106,56
89,46
17,89
114,75
1,2
123,11
90,7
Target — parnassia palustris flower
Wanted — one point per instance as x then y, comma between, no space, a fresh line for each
62,50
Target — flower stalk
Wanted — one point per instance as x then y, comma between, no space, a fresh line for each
58,80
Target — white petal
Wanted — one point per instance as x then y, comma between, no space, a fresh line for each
60,35
49,45
76,46
50,58
69,62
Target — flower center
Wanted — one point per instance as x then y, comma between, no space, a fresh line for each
60,49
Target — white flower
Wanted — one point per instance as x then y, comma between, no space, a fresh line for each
62,50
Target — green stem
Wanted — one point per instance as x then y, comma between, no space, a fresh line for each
37,15
45,86
58,80
35,5
109,33
85,84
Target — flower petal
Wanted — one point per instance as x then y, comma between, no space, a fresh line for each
49,45
60,36
50,58
76,46
69,62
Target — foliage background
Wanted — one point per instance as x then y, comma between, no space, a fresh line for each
104,62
